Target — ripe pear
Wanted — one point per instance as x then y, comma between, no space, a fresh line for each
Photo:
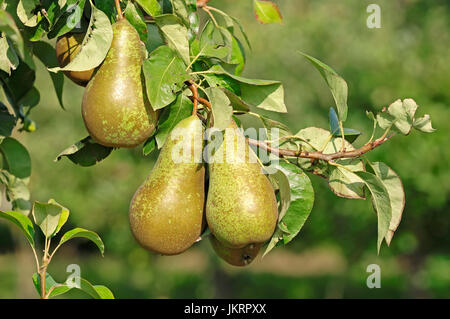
235,256
241,207
67,47
115,109
166,212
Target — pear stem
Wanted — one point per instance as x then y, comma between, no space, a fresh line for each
119,9
312,155
196,98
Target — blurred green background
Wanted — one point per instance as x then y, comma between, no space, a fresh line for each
408,57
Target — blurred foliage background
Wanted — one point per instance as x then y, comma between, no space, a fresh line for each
408,57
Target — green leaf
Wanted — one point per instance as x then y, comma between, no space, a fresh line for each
345,183
155,39
135,17
337,85
83,233
221,107
17,160
85,152
284,189
50,217
97,291
237,103
64,215
223,81
399,116
16,192
215,42
164,75
381,203
47,54
23,222
264,94
423,124
25,12
49,282
301,203
8,57
176,34
266,12
350,134
302,200
9,28
7,121
149,146
180,109
95,45
152,7
72,15
19,83
403,113
394,187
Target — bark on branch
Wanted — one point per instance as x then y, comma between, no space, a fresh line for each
312,155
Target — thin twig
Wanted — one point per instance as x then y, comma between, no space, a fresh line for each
202,3
319,155
119,9
314,155
194,91
211,16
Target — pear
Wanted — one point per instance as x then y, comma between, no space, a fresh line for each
67,47
115,108
166,212
241,207
235,256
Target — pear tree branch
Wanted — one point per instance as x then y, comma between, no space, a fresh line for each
202,3
312,155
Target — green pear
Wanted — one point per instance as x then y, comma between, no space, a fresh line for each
235,256
166,212
115,109
241,207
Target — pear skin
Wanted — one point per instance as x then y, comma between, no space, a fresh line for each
167,211
67,47
115,109
241,207
235,256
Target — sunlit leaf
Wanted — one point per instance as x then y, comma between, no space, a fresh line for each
337,85
221,107
394,187
381,203
180,109
22,221
95,45
164,75
267,12
176,34
83,233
